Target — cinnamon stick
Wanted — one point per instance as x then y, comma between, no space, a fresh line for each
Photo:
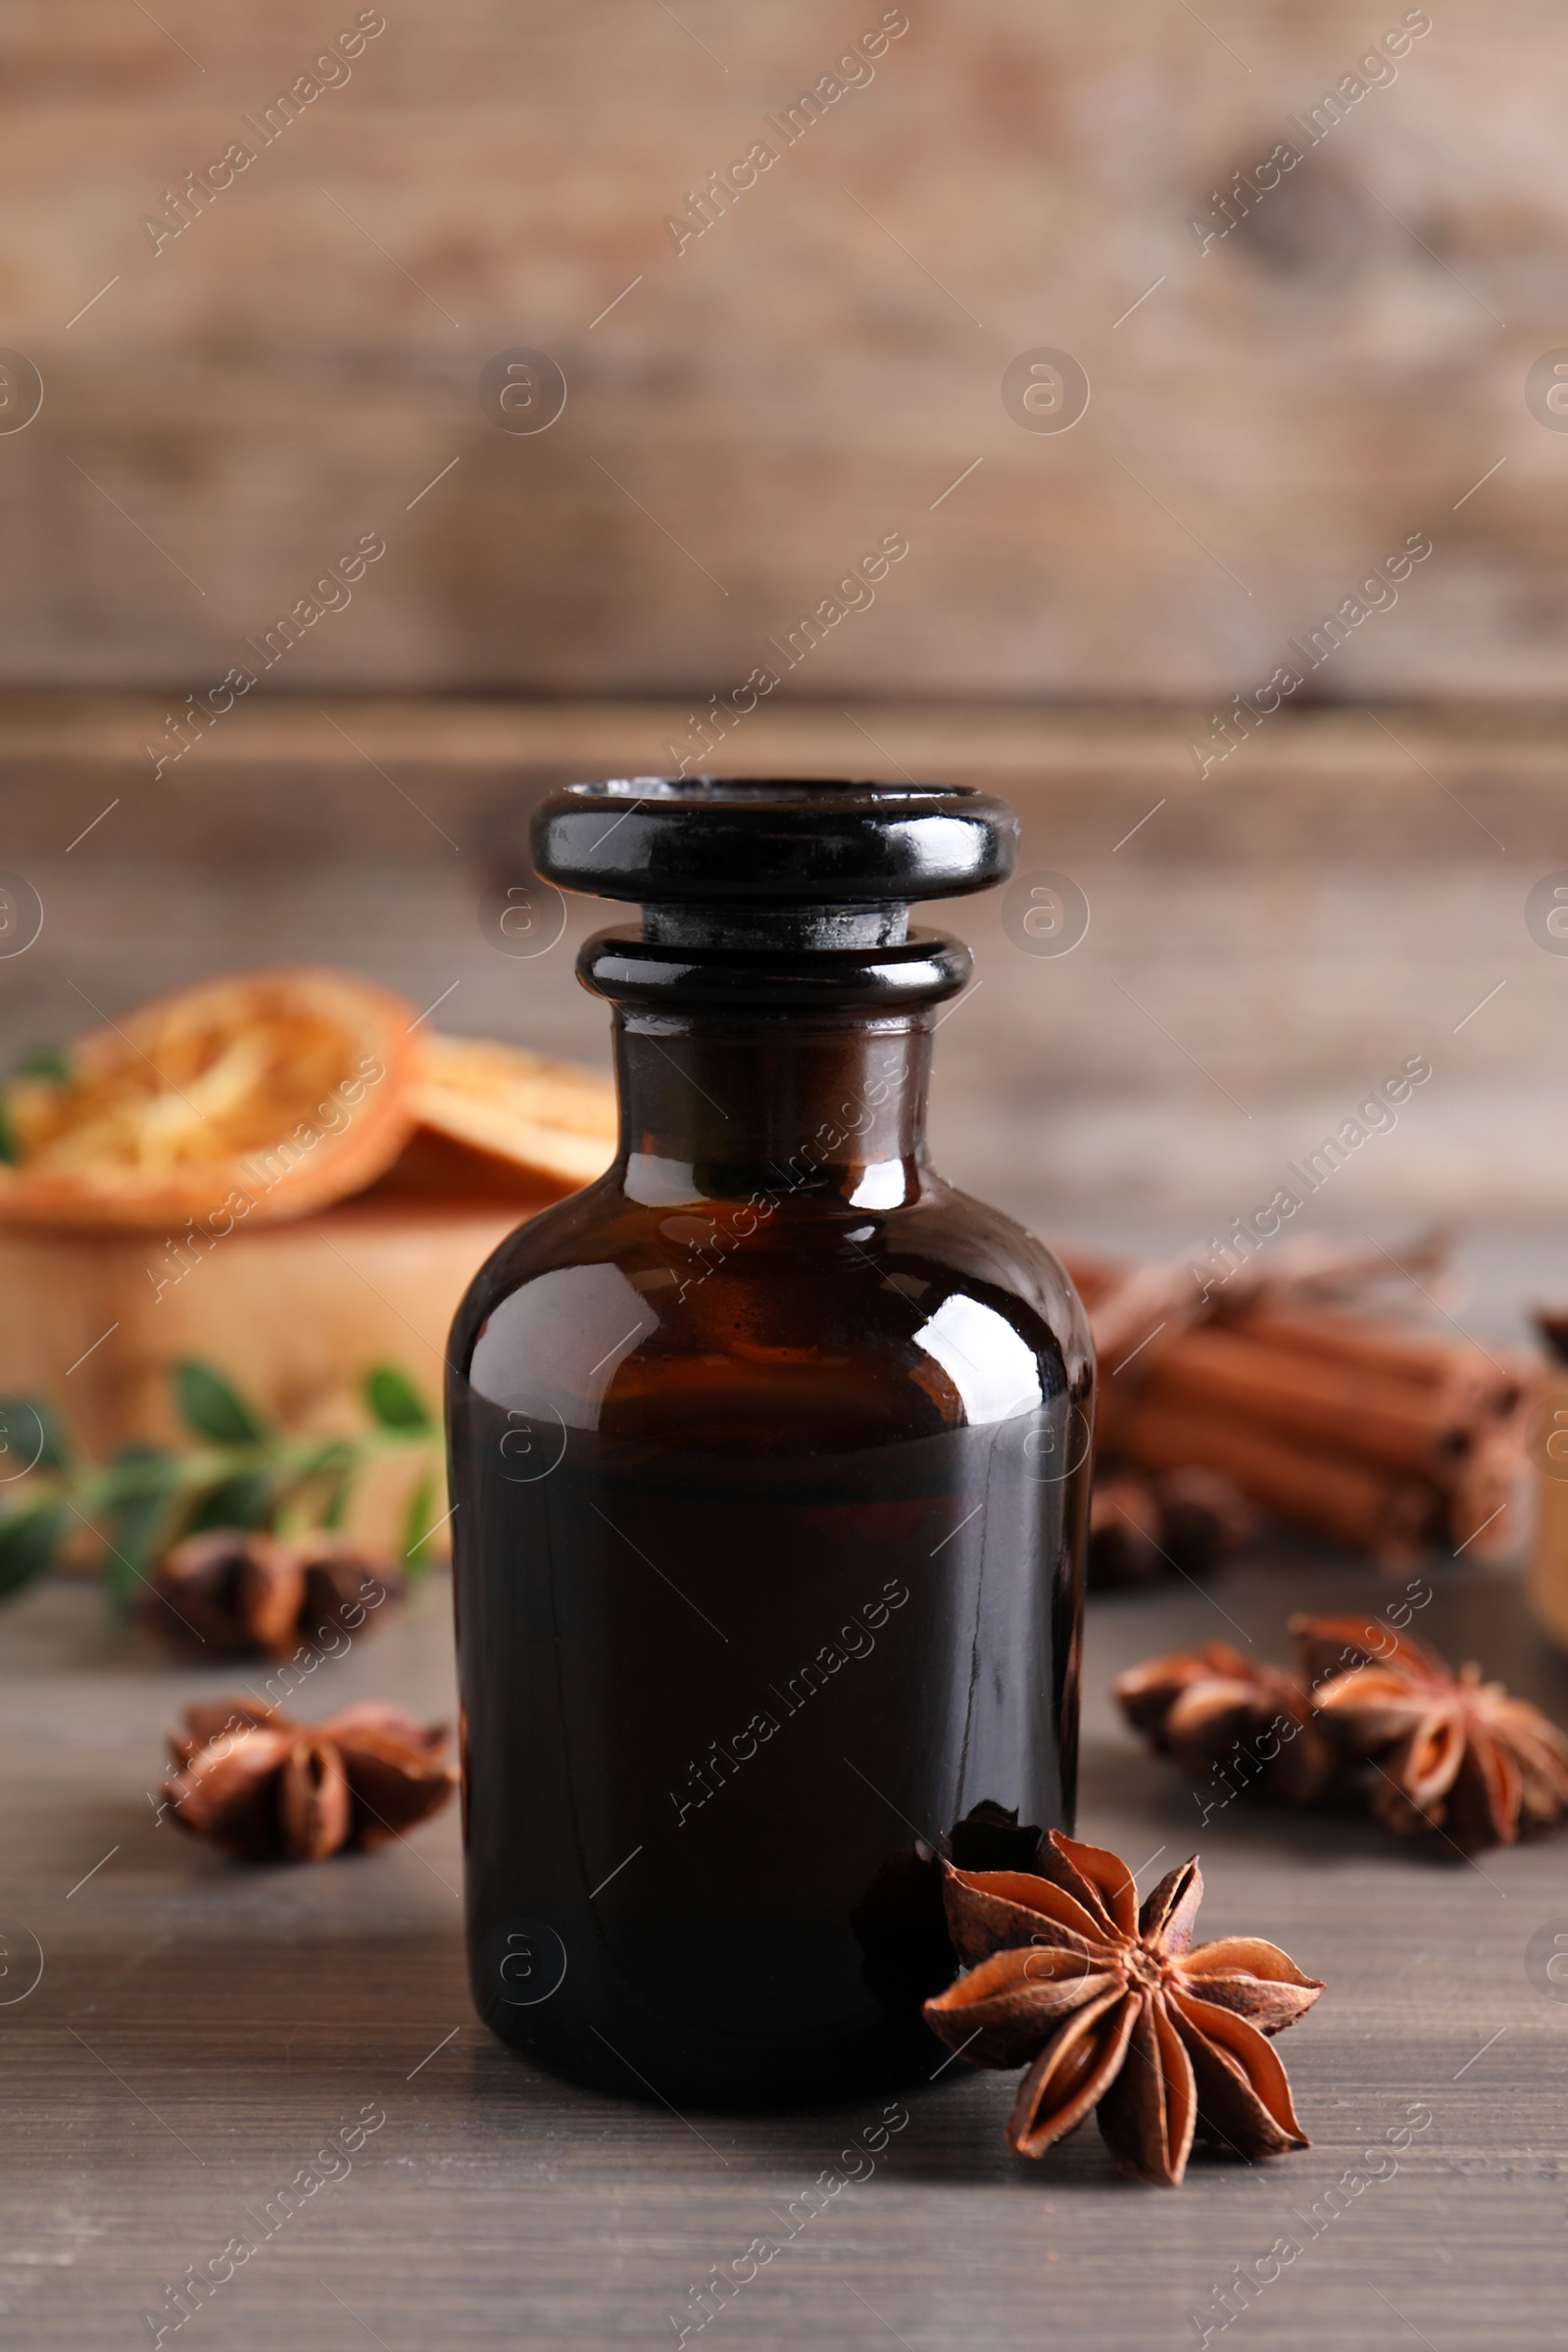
1349,1407
1482,1517
1093,1278
1462,1370
1387,1515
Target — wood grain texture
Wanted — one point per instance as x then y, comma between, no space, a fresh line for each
1348,889
200,2031
294,1313
1279,410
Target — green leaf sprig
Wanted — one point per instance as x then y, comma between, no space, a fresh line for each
241,1472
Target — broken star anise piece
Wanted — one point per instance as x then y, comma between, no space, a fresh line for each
1444,1752
266,1788
239,1591
1119,2011
1221,1716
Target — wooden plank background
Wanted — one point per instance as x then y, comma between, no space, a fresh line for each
224,416
1348,889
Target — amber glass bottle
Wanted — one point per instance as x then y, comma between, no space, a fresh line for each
770,1457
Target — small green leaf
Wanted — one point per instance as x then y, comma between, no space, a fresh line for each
56,1454
31,1437
327,1476
27,1541
138,1537
335,1506
44,1062
133,1469
214,1408
315,1492
417,1523
136,1525
244,1502
395,1401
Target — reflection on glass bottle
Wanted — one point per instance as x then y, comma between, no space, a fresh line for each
771,1454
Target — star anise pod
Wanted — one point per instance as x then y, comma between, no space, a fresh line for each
1208,1518
1222,1717
266,1788
235,1592
1445,1751
1145,1529
1119,2011
1126,1525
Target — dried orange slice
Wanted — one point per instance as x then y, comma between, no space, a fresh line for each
549,1117
260,1094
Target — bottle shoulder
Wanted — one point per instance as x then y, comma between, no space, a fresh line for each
984,1245
604,1311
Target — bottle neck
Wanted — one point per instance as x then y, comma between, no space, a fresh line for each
813,1109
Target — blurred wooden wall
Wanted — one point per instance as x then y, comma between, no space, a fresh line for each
233,411
1352,888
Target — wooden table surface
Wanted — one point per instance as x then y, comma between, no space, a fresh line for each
201,2030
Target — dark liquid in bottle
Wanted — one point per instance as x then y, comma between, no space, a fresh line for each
740,1660
770,1458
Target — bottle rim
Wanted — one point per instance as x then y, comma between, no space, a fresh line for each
785,841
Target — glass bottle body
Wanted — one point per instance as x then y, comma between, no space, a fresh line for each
771,1454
